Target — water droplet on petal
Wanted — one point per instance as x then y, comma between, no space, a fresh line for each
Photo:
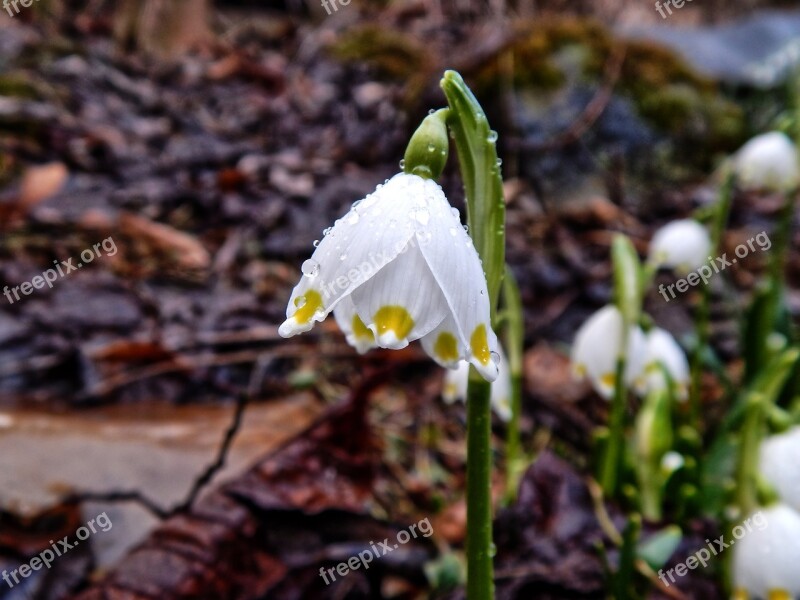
310,268
343,256
316,243
420,215
455,213
424,236
492,137
453,231
431,148
402,163
495,356
327,230
499,161
357,203
353,219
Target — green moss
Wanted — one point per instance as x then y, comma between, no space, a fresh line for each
393,54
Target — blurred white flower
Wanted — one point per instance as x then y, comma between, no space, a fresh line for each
662,349
598,345
767,555
682,245
399,267
768,162
779,464
455,386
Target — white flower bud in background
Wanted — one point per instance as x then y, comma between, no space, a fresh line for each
779,465
682,245
455,387
598,345
768,162
766,556
396,268
662,349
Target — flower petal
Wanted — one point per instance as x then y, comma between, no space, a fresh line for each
443,344
357,333
370,236
455,264
402,302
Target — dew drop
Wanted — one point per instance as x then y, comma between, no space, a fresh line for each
499,161
357,203
420,215
455,213
327,230
431,148
431,111
402,163
316,243
492,137
343,256
424,236
353,219
495,356
310,268
453,231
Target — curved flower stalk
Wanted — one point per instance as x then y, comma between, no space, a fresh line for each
662,353
768,162
779,465
396,268
766,557
598,346
455,387
683,245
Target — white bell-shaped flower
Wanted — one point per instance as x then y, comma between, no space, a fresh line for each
768,162
662,349
597,346
779,464
766,556
455,386
399,266
682,245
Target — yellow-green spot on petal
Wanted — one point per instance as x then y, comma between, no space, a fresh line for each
308,304
446,347
779,595
740,594
608,379
394,318
479,345
362,331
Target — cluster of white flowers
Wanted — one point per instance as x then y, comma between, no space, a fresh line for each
766,565
599,343
425,279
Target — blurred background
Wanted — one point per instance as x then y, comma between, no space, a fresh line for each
212,143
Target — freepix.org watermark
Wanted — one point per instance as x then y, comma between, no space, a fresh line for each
675,3
362,559
49,276
7,4
715,265
46,557
702,556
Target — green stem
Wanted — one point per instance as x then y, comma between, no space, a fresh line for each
780,247
747,467
514,341
611,464
480,580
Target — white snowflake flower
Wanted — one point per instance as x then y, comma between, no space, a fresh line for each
768,162
682,245
662,349
455,386
766,556
779,464
598,345
398,267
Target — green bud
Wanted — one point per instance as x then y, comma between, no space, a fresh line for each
427,151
